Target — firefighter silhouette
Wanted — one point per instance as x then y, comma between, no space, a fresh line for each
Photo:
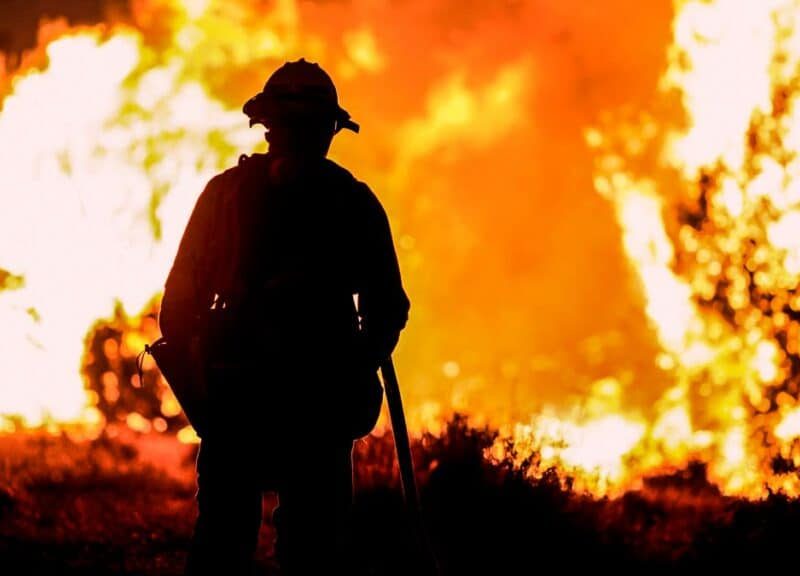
287,292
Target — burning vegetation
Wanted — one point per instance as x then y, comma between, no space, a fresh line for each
604,284
708,208
125,506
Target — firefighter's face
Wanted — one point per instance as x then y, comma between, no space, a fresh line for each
306,135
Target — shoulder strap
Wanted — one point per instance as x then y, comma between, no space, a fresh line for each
232,222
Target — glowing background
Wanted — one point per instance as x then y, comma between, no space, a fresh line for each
537,160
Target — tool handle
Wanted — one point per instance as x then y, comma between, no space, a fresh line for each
400,431
406,463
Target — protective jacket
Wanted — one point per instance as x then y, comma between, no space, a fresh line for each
290,266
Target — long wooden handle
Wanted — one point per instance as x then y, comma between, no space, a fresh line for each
400,431
406,463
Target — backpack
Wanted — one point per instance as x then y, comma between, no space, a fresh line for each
187,369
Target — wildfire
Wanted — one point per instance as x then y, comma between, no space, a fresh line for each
90,146
710,232
109,133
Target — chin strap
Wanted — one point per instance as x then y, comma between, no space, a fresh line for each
140,362
148,350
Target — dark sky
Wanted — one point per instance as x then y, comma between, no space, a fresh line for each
19,18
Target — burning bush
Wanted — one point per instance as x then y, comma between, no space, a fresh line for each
110,369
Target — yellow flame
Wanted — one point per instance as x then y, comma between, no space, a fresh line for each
82,147
106,142
720,344
789,427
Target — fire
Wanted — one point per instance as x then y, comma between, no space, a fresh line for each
679,344
714,247
90,145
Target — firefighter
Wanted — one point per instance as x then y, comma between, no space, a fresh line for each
287,290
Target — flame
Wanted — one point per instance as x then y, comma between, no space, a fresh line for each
84,147
718,266
611,346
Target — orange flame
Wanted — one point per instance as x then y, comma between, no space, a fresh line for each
91,144
615,335
718,267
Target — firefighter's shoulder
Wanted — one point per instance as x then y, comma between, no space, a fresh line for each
357,190
246,164
229,179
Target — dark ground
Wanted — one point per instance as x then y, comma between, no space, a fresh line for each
125,506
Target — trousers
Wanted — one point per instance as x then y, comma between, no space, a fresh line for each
277,426
312,520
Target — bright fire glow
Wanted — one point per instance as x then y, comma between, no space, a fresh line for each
718,268
609,355
82,149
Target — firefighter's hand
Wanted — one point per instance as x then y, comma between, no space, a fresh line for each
376,350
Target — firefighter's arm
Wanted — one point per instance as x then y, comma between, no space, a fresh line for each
383,303
186,290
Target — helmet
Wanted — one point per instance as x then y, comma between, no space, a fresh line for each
298,88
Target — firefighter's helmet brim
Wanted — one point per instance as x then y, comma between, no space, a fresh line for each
296,89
